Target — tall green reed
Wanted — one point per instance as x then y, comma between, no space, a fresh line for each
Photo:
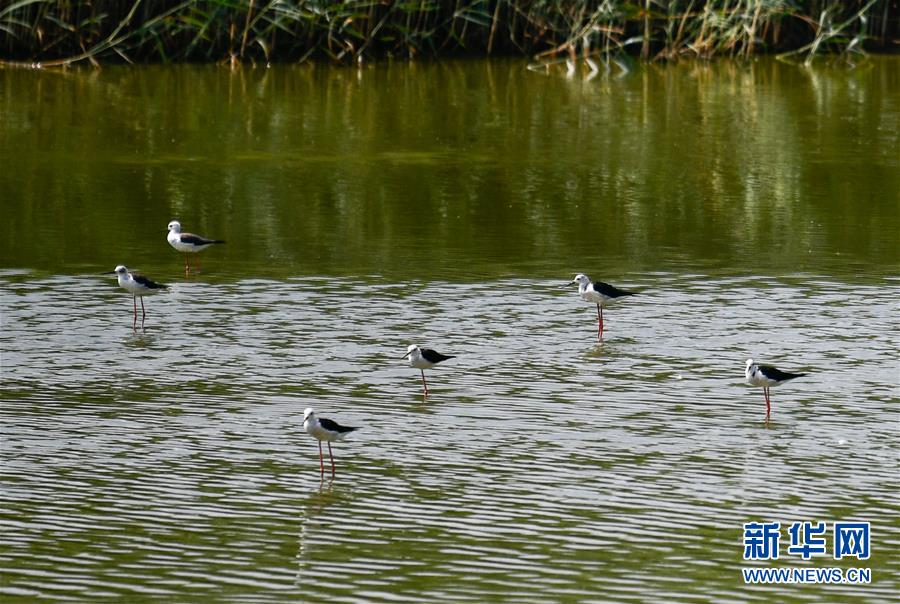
56,32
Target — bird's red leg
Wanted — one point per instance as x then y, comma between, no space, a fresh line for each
768,404
331,455
144,311
600,320
424,385
187,264
134,323
321,461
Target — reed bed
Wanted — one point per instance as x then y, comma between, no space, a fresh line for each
53,32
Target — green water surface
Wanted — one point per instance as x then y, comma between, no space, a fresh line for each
457,169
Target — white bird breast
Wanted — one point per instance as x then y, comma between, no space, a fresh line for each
592,296
317,431
175,241
589,296
756,378
126,282
418,361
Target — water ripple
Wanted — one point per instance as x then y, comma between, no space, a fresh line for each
545,465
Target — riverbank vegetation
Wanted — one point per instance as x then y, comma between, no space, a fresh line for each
54,32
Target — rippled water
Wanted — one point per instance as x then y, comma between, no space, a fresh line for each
171,461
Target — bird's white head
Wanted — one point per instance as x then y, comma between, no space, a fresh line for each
174,227
308,412
581,279
750,371
121,270
409,350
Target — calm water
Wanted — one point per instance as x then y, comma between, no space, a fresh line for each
755,208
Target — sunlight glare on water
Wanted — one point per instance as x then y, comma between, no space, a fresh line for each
172,460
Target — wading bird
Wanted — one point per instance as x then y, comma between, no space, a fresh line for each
603,294
422,359
324,429
138,285
767,377
188,243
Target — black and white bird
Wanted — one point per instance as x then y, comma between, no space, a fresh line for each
324,429
138,285
602,294
188,243
767,377
422,359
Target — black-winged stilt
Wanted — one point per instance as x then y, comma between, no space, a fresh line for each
188,243
324,429
138,285
603,294
422,359
767,377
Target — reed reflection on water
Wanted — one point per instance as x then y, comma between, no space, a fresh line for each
759,168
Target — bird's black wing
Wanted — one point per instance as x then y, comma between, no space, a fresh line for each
197,239
610,291
432,356
333,426
148,283
778,375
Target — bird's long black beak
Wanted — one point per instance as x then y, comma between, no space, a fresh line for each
108,273
570,283
406,355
